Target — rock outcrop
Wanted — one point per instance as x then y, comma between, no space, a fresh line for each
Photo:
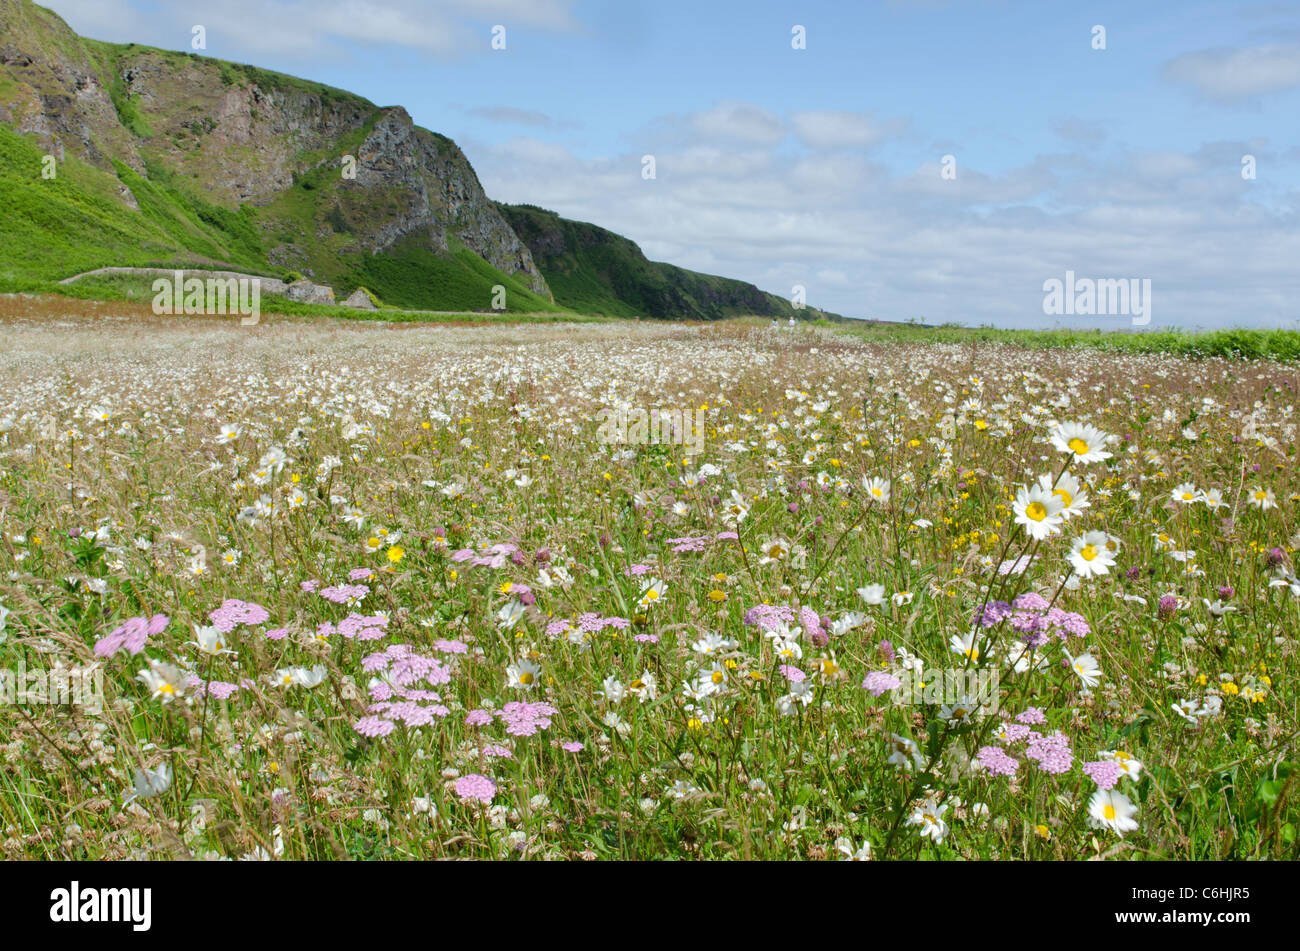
360,299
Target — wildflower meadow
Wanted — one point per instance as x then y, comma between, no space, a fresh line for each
356,591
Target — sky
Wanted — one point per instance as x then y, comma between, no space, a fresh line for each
930,160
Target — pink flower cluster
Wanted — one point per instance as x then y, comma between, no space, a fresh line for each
525,719
217,688
878,681
1051,752
1105,773
345,593
476,788
696,543
768,616
996,761
131,635
397,692
1034,619
588,623
493,557
234,612
363,627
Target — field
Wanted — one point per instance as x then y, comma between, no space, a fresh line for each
362,590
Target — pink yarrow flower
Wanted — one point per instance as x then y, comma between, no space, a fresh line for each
476,787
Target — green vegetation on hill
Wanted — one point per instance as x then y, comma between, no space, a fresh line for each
595,271
53,228
74,222
410,275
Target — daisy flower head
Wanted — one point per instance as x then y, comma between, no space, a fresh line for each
736,509
872,594
1086,443
877,489
1262,499
1072,497
928,814
1039,511
651,592
774,549
522,675
1131,767
1090,555
210,640
163,680
1086,668
1112,810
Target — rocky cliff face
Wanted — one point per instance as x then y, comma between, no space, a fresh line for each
434,190
243,136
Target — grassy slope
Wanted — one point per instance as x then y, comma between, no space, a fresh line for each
53,228
604,273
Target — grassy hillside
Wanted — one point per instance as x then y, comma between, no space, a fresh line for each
596,271
74,222
168,158
53,228
410,274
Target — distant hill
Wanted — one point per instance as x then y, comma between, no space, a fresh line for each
596,271
126,155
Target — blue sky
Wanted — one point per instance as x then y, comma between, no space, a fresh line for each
820,167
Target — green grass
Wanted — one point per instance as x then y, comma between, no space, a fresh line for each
139,287
53,228
1232,342
411,275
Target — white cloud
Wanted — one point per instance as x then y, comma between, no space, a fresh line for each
739,122
1233,74
834,129
867,242
236,29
